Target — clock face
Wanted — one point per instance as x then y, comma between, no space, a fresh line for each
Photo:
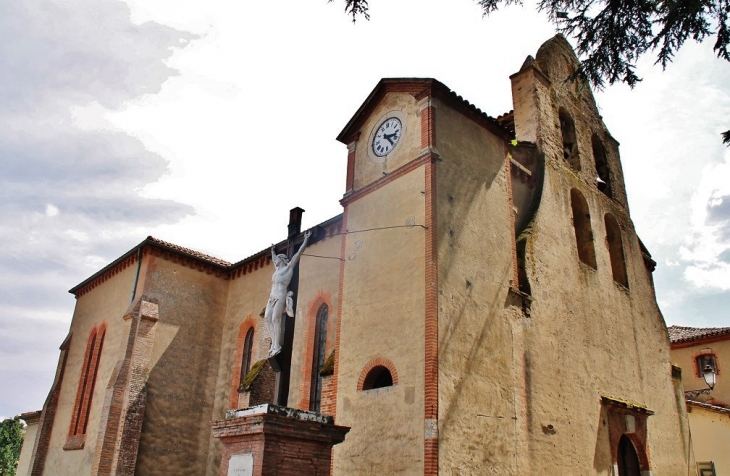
387,136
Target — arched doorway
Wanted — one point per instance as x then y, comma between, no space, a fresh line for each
628,460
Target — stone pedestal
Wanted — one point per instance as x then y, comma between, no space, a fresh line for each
269,440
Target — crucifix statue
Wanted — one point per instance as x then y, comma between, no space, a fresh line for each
281,299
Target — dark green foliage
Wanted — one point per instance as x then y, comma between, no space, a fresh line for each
726,138
329,366
251,375
11,440
611,35
355,8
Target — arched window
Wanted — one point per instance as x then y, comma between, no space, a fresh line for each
246,355
320,349
570,147
582,226
616,250
603,178
378,373
378,377
87,381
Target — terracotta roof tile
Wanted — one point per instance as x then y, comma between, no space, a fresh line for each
188,251
686,334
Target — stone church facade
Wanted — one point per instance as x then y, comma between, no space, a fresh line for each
483,305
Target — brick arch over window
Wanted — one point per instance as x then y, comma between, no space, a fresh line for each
373,364
583,230
237,375
615,246
85,391
696,361
638,447
570,144
314,306
603,179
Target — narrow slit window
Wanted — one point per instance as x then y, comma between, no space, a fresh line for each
616,250
570,147
247,353
582,227
603,173
320,348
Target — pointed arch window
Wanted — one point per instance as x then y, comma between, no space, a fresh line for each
582,227
320,348
85,392
616,250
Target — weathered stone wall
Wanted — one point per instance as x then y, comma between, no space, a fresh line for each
587,336
184,366
476,362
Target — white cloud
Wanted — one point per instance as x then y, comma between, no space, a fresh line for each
51,210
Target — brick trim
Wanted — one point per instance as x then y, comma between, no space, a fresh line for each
307,370
424,158
698,371
48,414
329,405
125,399
431,389
85,391
350,180
236,379
428,126
377,362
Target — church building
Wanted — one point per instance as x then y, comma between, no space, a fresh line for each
483,305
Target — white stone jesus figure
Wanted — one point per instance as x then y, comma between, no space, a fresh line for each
279,300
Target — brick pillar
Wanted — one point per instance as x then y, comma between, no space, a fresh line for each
269,440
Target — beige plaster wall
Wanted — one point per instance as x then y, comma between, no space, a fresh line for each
247,297
588,336
408,148
185,358
685,358
26,452
383,316
476,389
318,283
105,303
711,437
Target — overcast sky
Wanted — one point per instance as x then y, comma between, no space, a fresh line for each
203,123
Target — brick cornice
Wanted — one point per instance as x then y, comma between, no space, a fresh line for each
425,158
419,88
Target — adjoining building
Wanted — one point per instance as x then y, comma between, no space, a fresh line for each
697,350
483,305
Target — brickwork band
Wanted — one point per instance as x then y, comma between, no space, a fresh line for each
431,444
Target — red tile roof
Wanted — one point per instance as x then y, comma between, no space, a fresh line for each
188,251
679,334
